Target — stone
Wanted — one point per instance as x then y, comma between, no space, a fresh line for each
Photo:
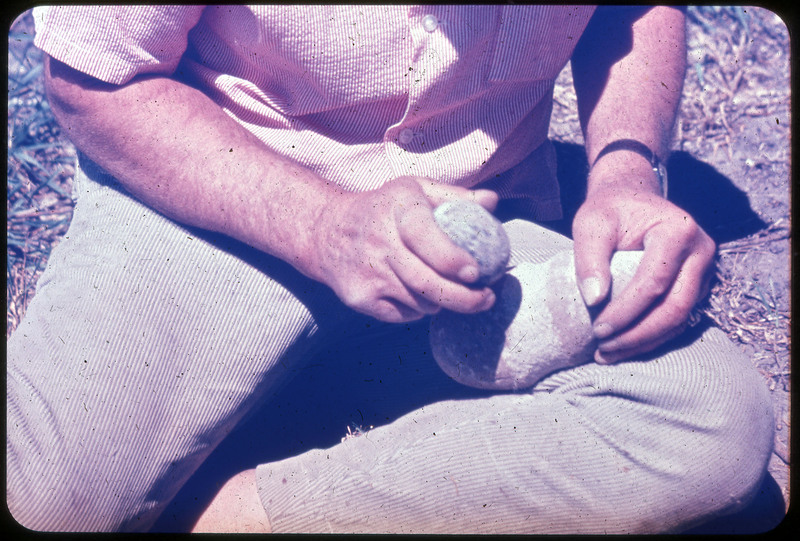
477,231
538,325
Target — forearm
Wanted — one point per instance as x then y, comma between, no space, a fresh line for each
179,152
628,70
176,150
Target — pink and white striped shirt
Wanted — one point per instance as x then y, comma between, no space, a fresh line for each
360,94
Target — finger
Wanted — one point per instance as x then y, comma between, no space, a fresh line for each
415,301
408,304
609,357
384,297
423,237
672,312
392,304
660,265
594,236
649,332
392,311
665,267
421,281
438,193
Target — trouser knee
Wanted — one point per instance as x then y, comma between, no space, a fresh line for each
685,433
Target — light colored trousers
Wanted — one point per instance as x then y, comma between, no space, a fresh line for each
148,342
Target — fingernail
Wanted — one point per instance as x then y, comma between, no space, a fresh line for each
468,274
591,290
602,330
489,302
600,359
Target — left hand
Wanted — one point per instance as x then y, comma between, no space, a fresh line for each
674,274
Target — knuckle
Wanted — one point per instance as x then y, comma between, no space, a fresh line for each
707,245
412,231
584,218
688,229
403,182
686,226
682,232
363,299
676,312
659,281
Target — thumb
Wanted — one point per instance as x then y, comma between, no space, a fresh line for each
594,245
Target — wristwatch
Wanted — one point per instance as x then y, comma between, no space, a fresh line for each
643,150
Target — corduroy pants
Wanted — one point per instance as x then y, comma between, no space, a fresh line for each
147,342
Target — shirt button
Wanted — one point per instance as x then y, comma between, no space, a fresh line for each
430,23
406,136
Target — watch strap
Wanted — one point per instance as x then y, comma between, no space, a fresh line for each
643,150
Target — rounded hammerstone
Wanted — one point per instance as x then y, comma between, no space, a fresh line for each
474,229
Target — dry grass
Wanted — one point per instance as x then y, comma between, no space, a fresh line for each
736,115
40,171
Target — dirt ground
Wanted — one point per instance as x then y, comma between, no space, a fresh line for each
730,169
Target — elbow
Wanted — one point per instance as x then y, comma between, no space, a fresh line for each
58,88
62,92
72,95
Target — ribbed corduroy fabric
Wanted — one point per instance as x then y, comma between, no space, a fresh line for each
145,344
653,445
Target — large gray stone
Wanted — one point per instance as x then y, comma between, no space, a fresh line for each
474,229
539,324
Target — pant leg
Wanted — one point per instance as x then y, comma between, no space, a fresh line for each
144,345
657,444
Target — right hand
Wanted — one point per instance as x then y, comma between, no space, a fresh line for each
384,255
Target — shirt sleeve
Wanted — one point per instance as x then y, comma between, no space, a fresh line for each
116,43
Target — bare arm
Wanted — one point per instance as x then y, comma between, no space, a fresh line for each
154,135
628,69
179,152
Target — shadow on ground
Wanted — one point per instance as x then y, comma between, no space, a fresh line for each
716,204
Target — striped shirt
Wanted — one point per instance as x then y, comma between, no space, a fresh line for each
359,94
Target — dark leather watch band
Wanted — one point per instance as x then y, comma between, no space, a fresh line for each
643,150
